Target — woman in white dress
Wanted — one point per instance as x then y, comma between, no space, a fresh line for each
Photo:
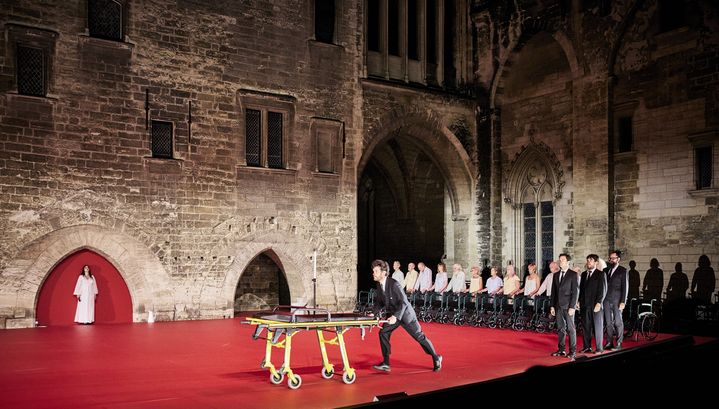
85,291
531,283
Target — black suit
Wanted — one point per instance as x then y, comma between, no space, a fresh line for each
394,300
617,291
565,292
592,292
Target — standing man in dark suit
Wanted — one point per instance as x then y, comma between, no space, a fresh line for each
565,293
391,297
592,292
616,299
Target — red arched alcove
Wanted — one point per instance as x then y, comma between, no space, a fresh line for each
56,304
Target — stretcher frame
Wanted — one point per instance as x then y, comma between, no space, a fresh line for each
294,320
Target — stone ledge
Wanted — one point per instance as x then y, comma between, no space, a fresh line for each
331,175
94,42
713,192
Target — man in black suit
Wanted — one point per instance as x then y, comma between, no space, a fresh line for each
616,299
565,293
391,297
592,292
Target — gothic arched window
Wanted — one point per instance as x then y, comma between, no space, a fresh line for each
532,187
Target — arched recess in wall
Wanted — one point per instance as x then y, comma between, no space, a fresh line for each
534,96
532,188
414,194
147,282
262,284
290,251
56,304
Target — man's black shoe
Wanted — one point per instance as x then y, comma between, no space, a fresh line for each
586,351
382,367
559,353
572,356
618,347
608,346
438,363
599,351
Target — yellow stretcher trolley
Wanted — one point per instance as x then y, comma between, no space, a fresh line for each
284,322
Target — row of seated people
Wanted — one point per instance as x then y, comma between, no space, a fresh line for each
496,304
503,302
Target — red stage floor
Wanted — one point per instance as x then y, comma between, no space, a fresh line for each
215,364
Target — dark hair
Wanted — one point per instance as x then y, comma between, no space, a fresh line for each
444,266
82,271
617,252
593,257
704,261
381,264
567,256
654,263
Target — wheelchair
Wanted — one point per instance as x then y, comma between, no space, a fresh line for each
542,320
643,319
365,301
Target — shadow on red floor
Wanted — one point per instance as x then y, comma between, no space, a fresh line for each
216,364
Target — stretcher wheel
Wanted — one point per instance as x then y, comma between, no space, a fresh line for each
346,378
277,378
296,384
327,374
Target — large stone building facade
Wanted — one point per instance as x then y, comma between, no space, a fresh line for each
203,147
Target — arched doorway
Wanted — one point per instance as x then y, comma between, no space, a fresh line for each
402,207
262,284
536,124
56,303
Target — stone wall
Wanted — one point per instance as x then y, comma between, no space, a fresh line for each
669,78
81,158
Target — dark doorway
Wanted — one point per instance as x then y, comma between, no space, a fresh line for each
401,201
262,285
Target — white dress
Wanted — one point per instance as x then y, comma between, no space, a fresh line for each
529,286
86,288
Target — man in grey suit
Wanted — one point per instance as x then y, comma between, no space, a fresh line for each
392,298
616,299
565,293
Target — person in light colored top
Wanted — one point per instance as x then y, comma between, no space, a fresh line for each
494,284
511,282
531,284
86,293
546,285
410,279
440,281
457,284
398,275
475,285
424,281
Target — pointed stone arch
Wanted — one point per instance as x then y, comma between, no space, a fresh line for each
535,166
293,255
529,32
532,188
437,141
145,276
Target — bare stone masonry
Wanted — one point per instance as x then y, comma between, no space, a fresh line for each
521,110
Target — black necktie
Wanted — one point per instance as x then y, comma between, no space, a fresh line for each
561,277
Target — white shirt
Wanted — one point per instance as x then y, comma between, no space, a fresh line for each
493,284
424,282
546,285
529,286
457,283
398,276
440,281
